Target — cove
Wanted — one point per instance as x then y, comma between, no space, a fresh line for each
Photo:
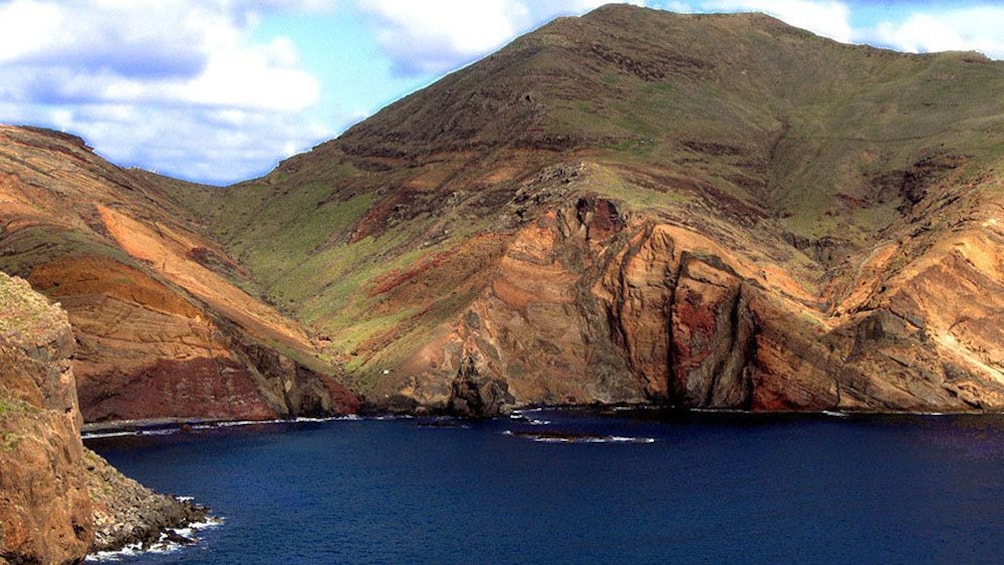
556,486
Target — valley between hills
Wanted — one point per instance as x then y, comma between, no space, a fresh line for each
632,206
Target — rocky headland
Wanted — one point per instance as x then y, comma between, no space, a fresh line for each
59,500
630,207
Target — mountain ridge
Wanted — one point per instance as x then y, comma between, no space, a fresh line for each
715,211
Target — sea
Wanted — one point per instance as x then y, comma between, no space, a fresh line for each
581,486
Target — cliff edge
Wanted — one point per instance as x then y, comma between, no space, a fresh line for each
57,499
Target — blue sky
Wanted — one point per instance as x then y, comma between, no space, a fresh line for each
220,90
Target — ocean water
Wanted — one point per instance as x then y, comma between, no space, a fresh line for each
581,487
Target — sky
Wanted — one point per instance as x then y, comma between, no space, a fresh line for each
219,91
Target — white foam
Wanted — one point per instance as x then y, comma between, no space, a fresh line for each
134,550
629,439
389,417
237,423
121,433
233,424
161,546
347,418
194,528
96,435
548,438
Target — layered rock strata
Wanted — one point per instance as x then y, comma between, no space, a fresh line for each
162,330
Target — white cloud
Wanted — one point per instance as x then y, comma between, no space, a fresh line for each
20,32
827,18
435,36
925,27
209,145
978,28
166,52
263,77
146,82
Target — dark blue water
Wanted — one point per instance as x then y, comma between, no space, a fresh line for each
708,489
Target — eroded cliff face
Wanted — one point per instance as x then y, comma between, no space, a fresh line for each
59,500
591,304
45,509
161,330
629,206
632,206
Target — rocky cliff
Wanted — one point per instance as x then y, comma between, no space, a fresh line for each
58,500
162,328
44,505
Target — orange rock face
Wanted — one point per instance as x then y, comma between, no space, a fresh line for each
623,207
45,509
159,334
143,351
653,312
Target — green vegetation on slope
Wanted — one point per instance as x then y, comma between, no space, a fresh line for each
742,118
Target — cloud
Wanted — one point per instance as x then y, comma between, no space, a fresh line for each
826,18
977,28
146,80
923,27
435,36
205,144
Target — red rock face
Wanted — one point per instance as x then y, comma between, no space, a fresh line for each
58,500
144,352
712,338
197,388
159,332
640,292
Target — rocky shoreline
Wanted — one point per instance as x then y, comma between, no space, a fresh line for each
59,501
127,514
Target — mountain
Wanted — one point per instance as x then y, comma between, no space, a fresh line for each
715,211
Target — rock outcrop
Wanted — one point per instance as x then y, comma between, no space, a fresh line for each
59,500
634,206
474,395
45,510
126,513
582,309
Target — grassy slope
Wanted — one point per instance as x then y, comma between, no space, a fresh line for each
765,124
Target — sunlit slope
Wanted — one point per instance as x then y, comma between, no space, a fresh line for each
473,229
162,327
